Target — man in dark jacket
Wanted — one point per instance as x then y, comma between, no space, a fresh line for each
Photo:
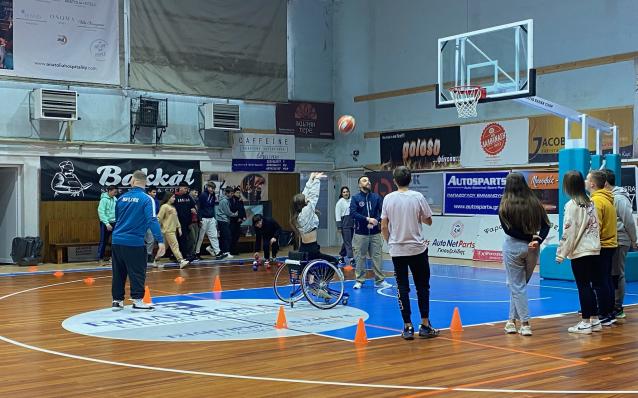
223,215
236,206
185,206
209,224
365,209
267,233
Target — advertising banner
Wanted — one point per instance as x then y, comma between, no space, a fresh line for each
490,239
60,40
431,186
628,181
494,143
473,193
254,186
545,185
306,119
263,152
452,237
421,149
64,178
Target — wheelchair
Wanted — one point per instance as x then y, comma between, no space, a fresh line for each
319,281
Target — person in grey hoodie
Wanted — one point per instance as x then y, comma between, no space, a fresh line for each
626,226
106,213
223,215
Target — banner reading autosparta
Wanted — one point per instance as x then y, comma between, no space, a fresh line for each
628,181
421,149
71,40
306,119
544,184
494,143
63,178
453,237
263,152
473,193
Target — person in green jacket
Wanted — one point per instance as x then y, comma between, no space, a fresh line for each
106,213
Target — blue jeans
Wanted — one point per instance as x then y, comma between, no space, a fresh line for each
105,236
519,263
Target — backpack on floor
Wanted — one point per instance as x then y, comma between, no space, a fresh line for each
26,251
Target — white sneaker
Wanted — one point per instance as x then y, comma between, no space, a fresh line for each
510,328
228,255
183,263
525,330
140,305
596,326
357,285
118,305
210,251
581,327
382,285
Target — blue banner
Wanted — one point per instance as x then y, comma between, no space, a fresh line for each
474,193
263,165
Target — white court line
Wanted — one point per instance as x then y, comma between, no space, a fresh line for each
381,292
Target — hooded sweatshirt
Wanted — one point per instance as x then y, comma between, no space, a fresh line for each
604,202
625,223
581,233
106,208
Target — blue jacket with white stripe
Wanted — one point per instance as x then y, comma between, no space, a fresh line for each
135,213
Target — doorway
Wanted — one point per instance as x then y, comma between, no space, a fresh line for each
10,210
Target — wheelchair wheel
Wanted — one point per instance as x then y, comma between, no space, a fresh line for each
322,284
287,283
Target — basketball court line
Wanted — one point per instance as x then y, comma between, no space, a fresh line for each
463,388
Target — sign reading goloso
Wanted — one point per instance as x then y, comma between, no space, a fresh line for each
85,179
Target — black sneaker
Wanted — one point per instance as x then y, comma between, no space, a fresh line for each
150,259
427,331
608,320
118,305
408,333
221,256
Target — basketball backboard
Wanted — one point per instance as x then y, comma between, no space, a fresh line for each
499,59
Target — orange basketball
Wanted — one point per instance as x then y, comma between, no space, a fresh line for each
346,124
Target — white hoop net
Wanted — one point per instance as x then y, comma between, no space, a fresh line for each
466,98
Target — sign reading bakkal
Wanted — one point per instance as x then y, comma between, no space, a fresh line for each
65,178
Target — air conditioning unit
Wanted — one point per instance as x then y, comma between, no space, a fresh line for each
54,104
221,116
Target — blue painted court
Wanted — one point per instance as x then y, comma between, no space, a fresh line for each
481,295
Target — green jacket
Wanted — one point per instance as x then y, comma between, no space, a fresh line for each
106,208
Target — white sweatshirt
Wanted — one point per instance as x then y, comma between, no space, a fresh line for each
342,208
581,232
308,219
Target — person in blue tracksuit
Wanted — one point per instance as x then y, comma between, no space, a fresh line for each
136,213
365,209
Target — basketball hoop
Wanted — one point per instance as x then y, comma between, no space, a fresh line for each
466,98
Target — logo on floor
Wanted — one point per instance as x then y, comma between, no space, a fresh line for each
211,320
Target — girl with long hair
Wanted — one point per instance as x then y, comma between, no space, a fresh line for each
525,222
169,222
304,219
345,223
581,244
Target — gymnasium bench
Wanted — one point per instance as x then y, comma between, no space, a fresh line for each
74,232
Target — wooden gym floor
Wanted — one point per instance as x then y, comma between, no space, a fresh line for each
42,359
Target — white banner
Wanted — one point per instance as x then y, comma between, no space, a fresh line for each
71,40
491,237
494,143
263,152
452,237
431,187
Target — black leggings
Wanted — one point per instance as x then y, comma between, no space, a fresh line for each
420,267
587,273
313,251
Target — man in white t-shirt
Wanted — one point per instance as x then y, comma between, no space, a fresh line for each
402,214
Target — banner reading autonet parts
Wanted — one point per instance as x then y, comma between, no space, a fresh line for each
421,149
474,193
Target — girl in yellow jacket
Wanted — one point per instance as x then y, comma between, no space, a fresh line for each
169,222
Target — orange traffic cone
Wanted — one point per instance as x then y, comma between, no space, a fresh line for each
89,281
361,337
281,319
217,286
455,325
348,267
179,280
147,295
58,274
